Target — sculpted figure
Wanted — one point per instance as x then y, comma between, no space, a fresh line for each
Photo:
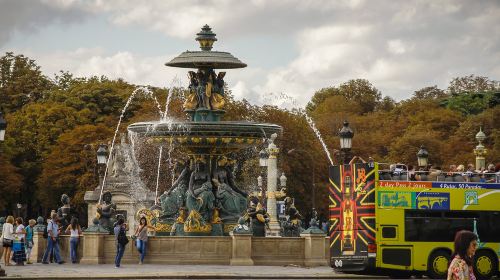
259,219
204,89
173,199
192,100
231,200
199,196
217,100
106,211
292,226
63,213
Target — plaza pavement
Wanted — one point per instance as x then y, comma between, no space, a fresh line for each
155,271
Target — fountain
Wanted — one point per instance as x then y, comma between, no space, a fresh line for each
204,199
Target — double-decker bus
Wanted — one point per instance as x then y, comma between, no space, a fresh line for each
408,227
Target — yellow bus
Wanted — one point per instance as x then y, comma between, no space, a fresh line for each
408,227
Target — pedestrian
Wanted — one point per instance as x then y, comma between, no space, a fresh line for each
7,239
52,241
29,240
75,230
121,240
19,256
465,248
141,232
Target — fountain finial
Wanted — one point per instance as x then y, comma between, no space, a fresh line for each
206,38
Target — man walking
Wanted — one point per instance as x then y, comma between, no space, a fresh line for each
52,241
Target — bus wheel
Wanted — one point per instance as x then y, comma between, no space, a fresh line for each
437,266
485,265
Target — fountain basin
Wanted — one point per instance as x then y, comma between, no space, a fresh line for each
215,138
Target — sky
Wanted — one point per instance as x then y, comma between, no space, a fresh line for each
292,47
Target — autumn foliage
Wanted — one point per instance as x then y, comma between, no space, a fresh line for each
55,125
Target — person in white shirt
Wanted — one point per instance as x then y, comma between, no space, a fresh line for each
75,230
7,239
19,250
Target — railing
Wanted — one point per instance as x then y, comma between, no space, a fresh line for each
437,176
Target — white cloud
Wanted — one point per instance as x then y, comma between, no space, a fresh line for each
133,68
398,46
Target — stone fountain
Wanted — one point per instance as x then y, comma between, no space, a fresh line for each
204,199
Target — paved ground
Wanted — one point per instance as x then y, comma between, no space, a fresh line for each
152,271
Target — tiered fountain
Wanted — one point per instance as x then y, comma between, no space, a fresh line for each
204,199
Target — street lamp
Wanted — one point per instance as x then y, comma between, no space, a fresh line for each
283,180
313,172
346,134
263,156
3,126
102,154
422,157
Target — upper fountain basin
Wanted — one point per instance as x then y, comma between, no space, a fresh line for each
206,59
206,137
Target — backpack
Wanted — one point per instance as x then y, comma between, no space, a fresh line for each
122,238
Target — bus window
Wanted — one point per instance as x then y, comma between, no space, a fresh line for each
389,232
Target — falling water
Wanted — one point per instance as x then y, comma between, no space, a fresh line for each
309,120
158,175
318,135
148,93
174,84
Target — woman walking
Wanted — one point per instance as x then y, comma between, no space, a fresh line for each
465,248
75,230
29,240
19,249
7,239
142,237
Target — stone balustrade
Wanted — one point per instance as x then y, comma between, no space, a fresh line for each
98,248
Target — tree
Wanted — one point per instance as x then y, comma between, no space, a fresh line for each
472,84
359,90
432,92
21,81
70,167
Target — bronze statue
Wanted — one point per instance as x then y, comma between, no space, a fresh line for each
64,212
173,199
259,219
192,99
217,100
106,211
292,226
199,196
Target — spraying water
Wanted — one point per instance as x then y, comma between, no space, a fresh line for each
174,84
148,93
309,120
158,176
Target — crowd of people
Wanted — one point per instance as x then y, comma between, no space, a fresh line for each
455,173
17,240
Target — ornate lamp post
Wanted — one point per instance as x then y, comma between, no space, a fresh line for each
272,180
263,156
3,126
102,157
345,134
480,151
283,180
422,157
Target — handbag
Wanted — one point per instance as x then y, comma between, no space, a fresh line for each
122,238
7,242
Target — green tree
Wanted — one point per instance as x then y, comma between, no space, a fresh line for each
21,81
